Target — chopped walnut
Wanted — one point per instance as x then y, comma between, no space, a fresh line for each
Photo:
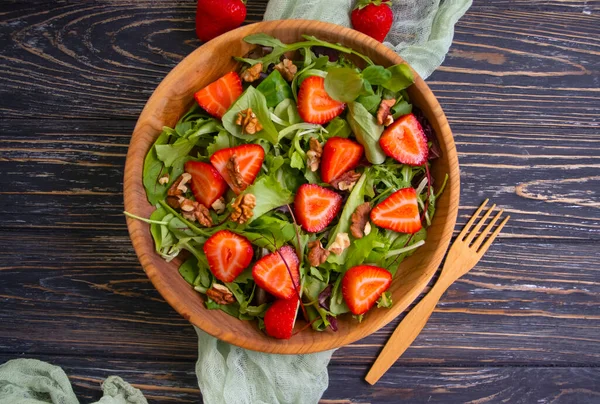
248,121
384,116
233,169
314,154
173,201
346,181
287,69
243,208
219,205
252,73
194,211
179,187
360,221
341,242
316,253
220,294
164,179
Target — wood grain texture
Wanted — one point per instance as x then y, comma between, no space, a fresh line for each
520,89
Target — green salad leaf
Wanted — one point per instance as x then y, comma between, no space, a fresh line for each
367,131
343,84
275,89
251,98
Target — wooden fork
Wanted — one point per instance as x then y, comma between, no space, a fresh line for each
462,256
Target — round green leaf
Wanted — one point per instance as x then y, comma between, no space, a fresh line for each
343,84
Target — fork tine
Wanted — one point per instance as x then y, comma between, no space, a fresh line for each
473,232
489,241
465,229
486,231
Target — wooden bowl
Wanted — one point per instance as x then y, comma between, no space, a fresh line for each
171,100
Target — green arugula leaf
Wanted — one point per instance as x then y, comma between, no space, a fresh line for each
367,131
223,140
370,102
251,98
275,89
343,84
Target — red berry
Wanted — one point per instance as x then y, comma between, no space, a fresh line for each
215,17
405,141
228,254
207,184
249,158
363,285
373,17
339,156
217,97
281,317
314,104
273,275
398,212
315,207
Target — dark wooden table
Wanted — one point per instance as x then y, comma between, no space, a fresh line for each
521,88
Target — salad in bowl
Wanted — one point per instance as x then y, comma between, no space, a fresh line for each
295,186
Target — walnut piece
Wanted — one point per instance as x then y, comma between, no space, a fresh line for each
314,154
384,116
219,205
316,253
220,294
179,187
194,211
243,208
248,121
360,221
287,69
346,181
341,242
233,169
252,73
164,179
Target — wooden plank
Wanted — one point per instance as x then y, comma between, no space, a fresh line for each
70,176
508,65
524,304
175,381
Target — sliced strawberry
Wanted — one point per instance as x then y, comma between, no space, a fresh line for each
339,155
228,254
207,184
249,159
398,212
273,275
363,285
405,141
217,97
314,104
315,207
281,317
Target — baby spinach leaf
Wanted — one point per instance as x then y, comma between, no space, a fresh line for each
401,77
401,108
269,193
153,170
189,270
376,75
367,131
168,153
275,89
297,161
337,127
343,84
370,102
251,98
223,140
287,111
269,232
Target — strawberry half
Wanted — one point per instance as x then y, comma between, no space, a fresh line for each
339,155
271,273
217,97
405,141
281,317
363,285
248,157
314,104
398,212
315,207
207,184
228,254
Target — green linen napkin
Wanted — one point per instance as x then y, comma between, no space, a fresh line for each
422,33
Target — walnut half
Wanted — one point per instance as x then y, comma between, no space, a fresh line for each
384,115
252,73
316,253
341,242
360,221
287,69
220,294
314,154
248,121
243,207
346,181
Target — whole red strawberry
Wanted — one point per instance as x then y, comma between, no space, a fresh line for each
215,17
373,17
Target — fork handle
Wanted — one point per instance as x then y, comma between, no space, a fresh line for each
407,331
